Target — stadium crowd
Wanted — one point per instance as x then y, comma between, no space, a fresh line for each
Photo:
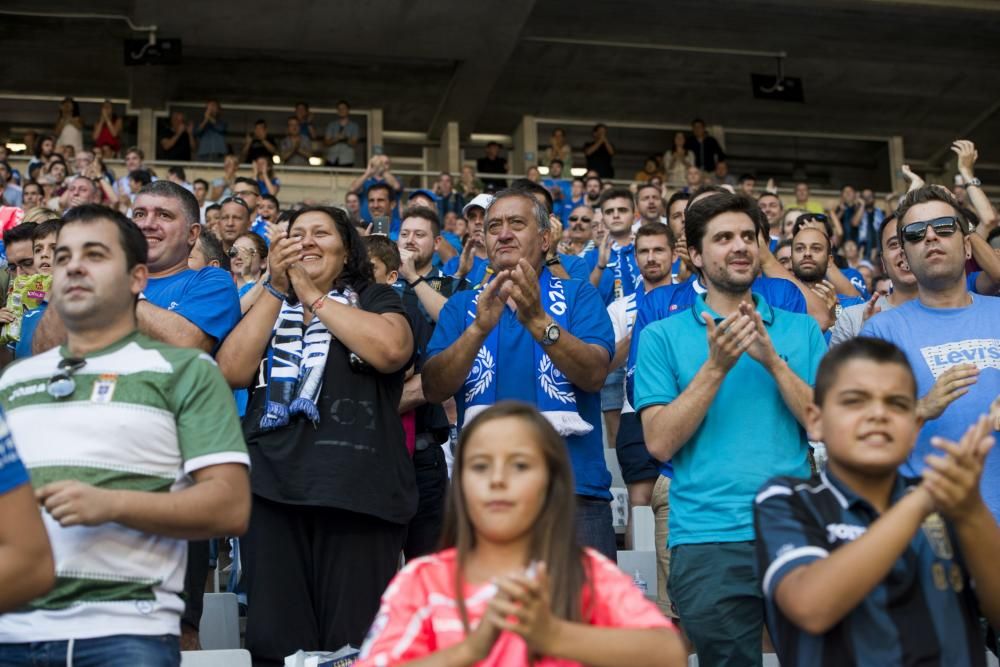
804,395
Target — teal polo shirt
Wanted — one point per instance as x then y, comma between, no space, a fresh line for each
748,434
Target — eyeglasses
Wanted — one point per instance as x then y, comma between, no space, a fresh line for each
583,218
234,251
916,231
62,383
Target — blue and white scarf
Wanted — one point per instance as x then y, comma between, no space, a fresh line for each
555,395
296,361
624,268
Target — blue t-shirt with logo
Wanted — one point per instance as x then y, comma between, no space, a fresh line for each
934,340
12,471
587,319
206,298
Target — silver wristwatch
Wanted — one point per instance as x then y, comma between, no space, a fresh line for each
551,334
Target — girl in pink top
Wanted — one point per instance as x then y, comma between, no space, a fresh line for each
529,594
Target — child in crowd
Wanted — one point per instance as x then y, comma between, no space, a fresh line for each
529,594
860,566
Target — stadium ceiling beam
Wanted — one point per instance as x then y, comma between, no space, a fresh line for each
464,99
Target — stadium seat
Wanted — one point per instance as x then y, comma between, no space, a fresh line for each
228,658
220,622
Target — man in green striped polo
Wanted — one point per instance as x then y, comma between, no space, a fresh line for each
133,447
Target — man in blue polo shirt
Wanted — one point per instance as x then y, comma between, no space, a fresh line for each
721,389
531,336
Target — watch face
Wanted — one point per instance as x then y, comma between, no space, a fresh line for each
552,332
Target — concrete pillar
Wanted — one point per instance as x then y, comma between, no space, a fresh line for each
450,156
525,151
717,131
146,137
896,161
375,145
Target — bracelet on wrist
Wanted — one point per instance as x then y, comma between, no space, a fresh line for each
318,303
602,267
416,282
274,291
552,261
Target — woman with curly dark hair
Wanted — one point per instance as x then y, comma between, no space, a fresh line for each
323,353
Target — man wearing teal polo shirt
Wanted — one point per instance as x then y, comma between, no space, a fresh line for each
721,390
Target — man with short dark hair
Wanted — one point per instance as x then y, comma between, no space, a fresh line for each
258,144
492,163
811,251
341,137
706,149
746,184
32,196
208,252
176,138
141,450
600,153
649,203
294,148
945,327
17,244
248,189
593,186
615,273
721,391
448,199
234,221
552,351
268,209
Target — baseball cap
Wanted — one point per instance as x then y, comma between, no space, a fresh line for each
425,192
483,201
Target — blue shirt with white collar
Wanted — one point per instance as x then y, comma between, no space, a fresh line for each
748,433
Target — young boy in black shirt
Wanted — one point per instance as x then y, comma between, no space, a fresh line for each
861,566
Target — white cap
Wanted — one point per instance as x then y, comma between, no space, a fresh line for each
483,201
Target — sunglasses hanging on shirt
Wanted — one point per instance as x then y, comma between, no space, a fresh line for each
62,383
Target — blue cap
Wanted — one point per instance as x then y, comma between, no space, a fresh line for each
425,192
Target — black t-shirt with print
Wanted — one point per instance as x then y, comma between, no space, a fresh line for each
355,458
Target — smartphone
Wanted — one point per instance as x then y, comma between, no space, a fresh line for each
380,225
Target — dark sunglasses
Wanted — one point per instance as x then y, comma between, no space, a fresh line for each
234,251
584,218
62,383
238,200
916,231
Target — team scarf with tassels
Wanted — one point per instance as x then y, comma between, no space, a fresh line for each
296,361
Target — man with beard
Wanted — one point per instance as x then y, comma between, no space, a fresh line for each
946,327
721,392
419,237
649,204
810,261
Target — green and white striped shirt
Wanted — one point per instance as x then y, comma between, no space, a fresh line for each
144,415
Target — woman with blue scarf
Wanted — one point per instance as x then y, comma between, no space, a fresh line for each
323,352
